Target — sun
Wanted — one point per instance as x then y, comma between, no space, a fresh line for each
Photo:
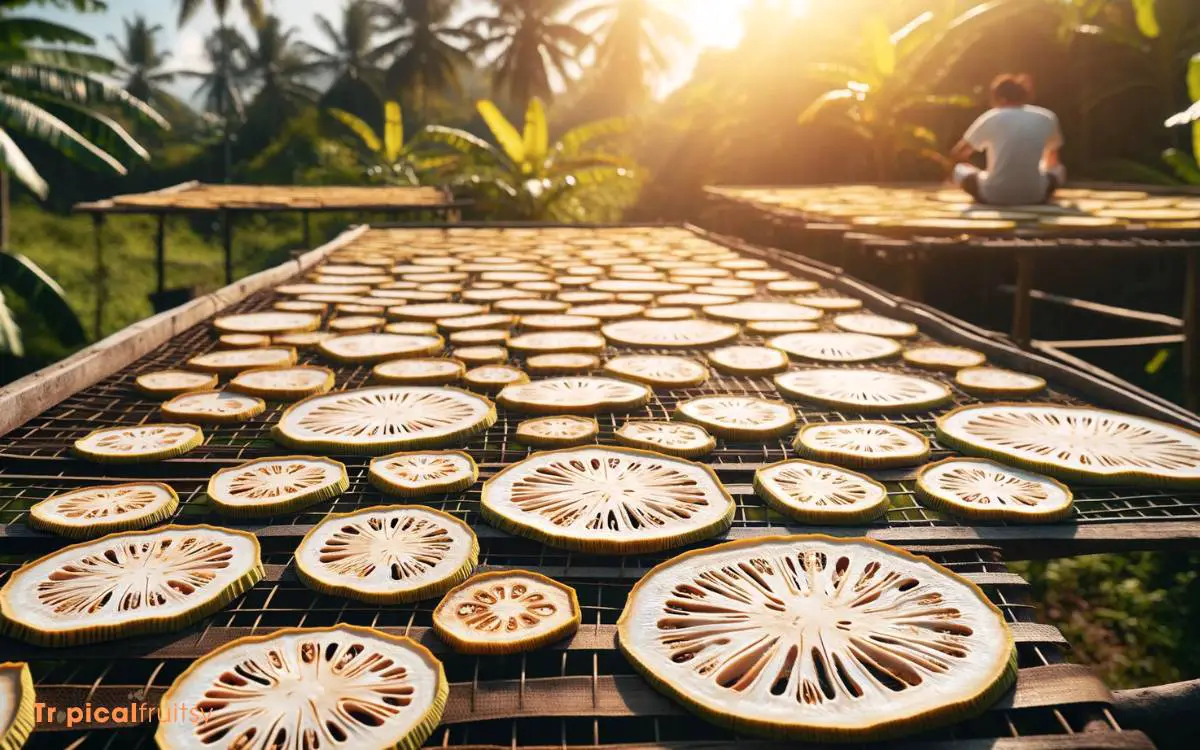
718,23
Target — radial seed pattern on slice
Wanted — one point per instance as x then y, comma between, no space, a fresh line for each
819,493
748,311
943,358
174,382
1080,443
419,372
862,445
608,500
574,395
90,512
817,639
267,322
236,360
270,486
557,432
875,325
214,407
561,364
547,342
748,360
506,612
129,583
342,686
672,438
494,378
284,383
423,473
654,334
663,371
390,554
994,381
836,347
980,489
377,347
372,421
130,445
866,391
18,705
739,418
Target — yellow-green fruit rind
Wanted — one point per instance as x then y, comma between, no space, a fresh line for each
738,434
256,407
293,504
172,452
100,528
381,483
930,498
819,517
24,718
850,461
483,648
282,394
647,445
525,436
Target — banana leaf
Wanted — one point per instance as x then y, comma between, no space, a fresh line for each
42,293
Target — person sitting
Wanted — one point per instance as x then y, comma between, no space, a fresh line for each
1022,144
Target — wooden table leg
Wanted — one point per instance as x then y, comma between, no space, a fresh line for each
1022,319
1191,331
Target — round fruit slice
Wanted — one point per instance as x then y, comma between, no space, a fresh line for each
557,432
302,688
505,612
493,378
436,311
574,395
243,341
817,639
979,489
479,336
550,322
270,486
944,358
654,334
819,493
284,383
748,360
305,340
875,325
476,322
94,511
481,355
18,705
747,311
561,364
387,555
862,445
830,304
131,583
867,391
836,347
793,286
663,371
669,313
174,382
693,299
775,327
356,323
545,342
267,322
608,500
131,445
648,287
376,347
424,473
607,311
672,438
419,371
1082,443
216,407
740,418
384,418
236,360
994,381
411,328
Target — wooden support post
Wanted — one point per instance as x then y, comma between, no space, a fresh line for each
227,243
100,276
160,252
307,225
1022,319
1191,331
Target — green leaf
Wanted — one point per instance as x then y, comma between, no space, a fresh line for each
1193,78
10,332
101,130
1147,18
79,88
1183,164
16,32
879,41
573,143
365,132
504,132
827,101
537,133
393,131
26,117
43,294
13,159
59,58
835,74
462,142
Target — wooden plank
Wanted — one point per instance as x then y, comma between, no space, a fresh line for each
1124,313
1059,345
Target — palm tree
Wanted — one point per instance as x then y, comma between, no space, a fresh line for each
141,63
424,51
223,80
631,51
348,56
534,45
277,64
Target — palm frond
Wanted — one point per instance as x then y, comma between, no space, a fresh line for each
21,115
79,88
843,98
13,159
10,332
15,32
99,129
503,131
43,294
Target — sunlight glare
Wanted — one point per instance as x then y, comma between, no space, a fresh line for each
718,23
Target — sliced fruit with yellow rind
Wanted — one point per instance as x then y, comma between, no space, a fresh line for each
271,486
561,364
267,322
213,407
995,381
984,490
739,418
829,303
574,395
493,378
655,334
748,311
306,340
748,360
480,355
658,370
18,705
865,391
89,512
862,445
378,347
284,383
506,612
419,372
943,358
672,438
243,341
174,382
836,347
817,493
559,322
422,473
138,444
236,360
547,342
875,325
436,311
557,432
777,327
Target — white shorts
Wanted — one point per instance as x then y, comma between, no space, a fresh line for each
963,171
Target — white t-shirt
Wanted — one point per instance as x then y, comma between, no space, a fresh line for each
1015,138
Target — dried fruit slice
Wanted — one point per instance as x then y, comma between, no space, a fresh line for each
979,489
423,473
411,328
740,418
608,311
546,342
267,322
819,493
243,341
300,688
306,340
836,347
557,432
236,360
419,371
561,364
479,336
620,286
216,407
436,311
390,554
476,322
284,383
994,381
776,327
867,391
356,323
669,313
792,286
525,306
130,583
830,304
558,322
18,712
862,445
90,512
817,639
481,355
505,612
174,382
654,334
574,395
672,438
377,347
944,358
608,500
493,378
748,360
1081,443
747,311
664,371
695,299
384,418
270,486
875,325
130,445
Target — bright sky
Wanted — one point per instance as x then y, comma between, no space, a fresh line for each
714,23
